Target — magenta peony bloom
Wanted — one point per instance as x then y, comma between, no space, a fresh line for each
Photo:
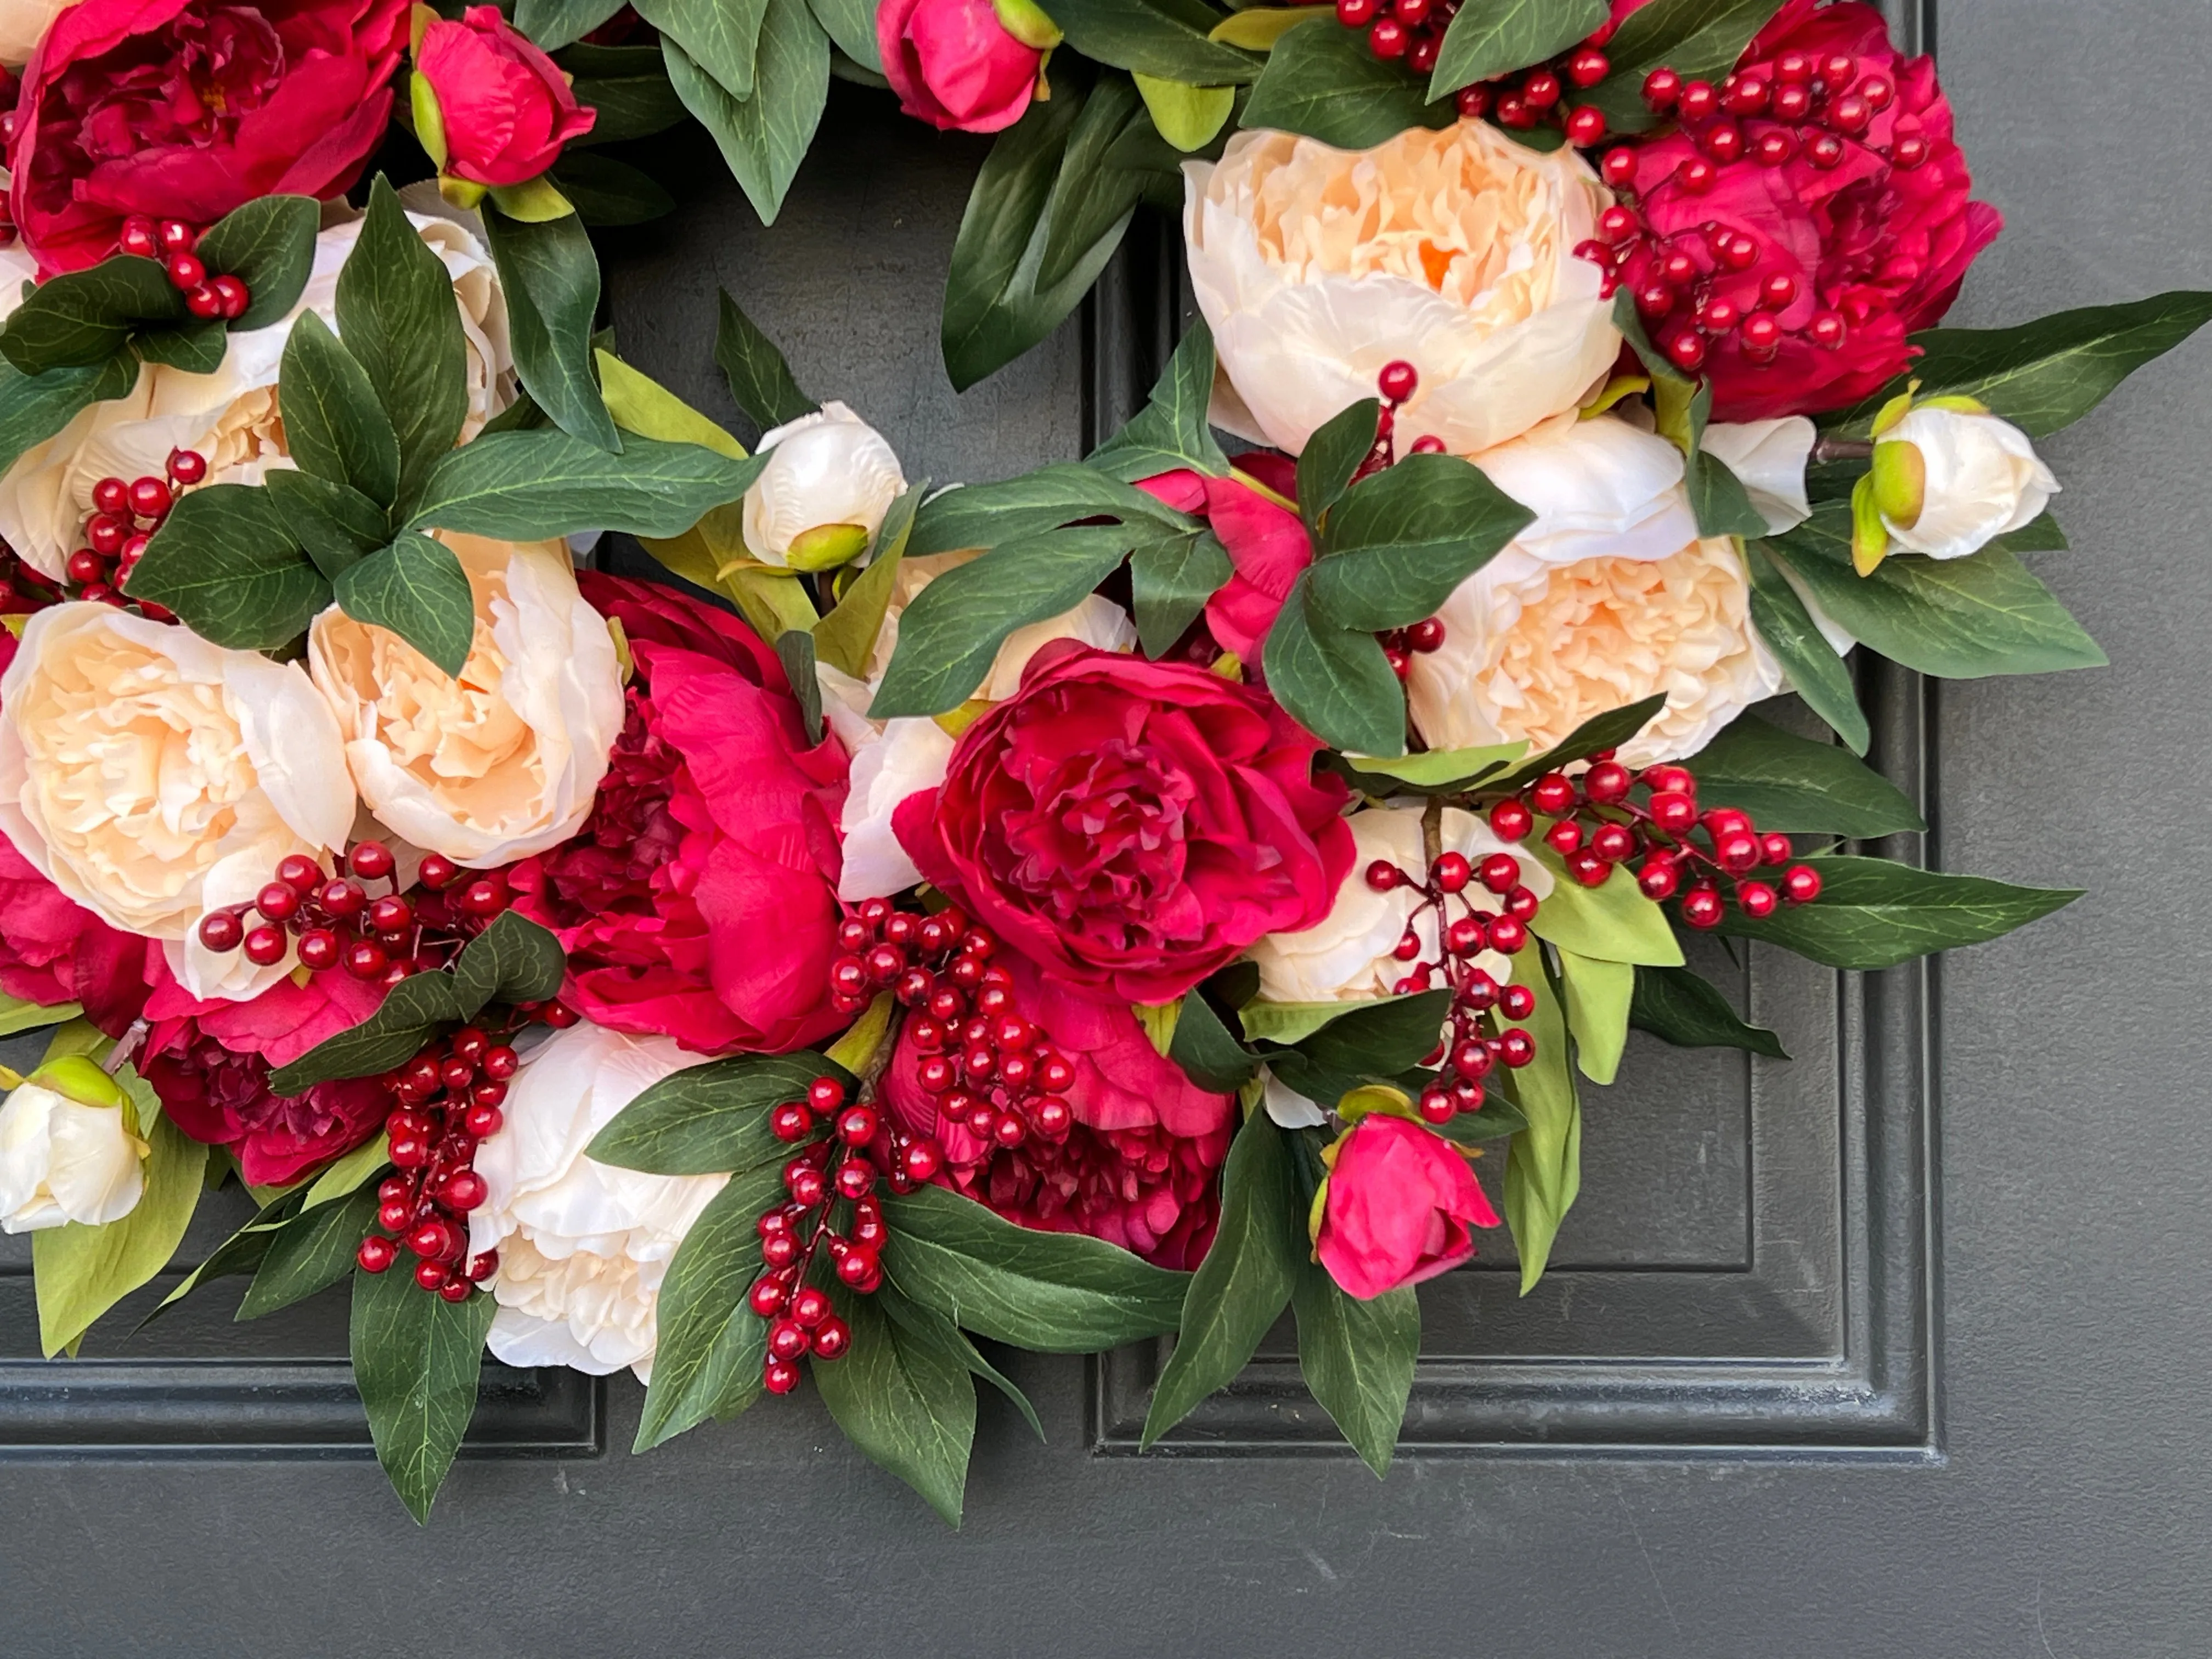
1267,546
506,106
185,109
953,63
1400,1202
699,901
1130,825
1139,1168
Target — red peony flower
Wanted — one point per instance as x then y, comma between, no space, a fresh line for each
699,901
1131,825
1832,234
1399,1203
1137,1168
955,64
185,109
505,106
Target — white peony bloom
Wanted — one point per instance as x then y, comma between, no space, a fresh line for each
909,755
1769,457
141,768
827,473
1980,478
582,1246
502,761
1346,957
1453,251
231,416
67,1151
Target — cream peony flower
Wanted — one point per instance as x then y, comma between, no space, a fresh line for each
1609,596
230,416
67,1151
23,24
1768,458
831,478
582,1246
141,769
1453,250
502,761
1980,478
1346,956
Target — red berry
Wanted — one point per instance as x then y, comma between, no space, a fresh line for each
85,567
1792,103
432,1275
1756,898
319,949
138,239
1521,903
371,861
177,237
187,466
376,1254
465,1189
1827,330
787,1338
1518,1001
1588,66
1586,126
232,296
1792,67
1702,908
1516,1048
394,1215
1508,934
455,1290
186,271
1388,38
1617,223
832,1338
1737,852
1674,812
106,533
1908,152
1501,872
1480,993
767,1295
151,497
1744,94
439,872
1658,878
111,497
1698,101
808,1307
1774,148
1563,838
1761,334
1619,168
265,946
779,1377
487,897
482,1121
1608,781
1399,378
409,1151
859,1263
1723,141
1541,90
922,1160
1554,794
1451,872
1662,88
1588,868
1513,111
1775,849
1613,842
1824,150
856,1178
1383,876
1510,820
1436,1105
1356,14
858,1125
1466,936
1473,101
1800,883
366,959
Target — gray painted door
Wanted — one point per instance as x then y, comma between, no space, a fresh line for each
1897,1349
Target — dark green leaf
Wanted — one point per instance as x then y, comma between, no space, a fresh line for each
334,426
397,316
269,244
950,633
1163,38
722,37
759,378
794,648
415,1360
195,347
1607,730
1332,455
1700,39
1357,1358
1090,200
551,277
334,523
706,1120
710,1345
315,1252
851,26
527,486
1047,1292
1717,497
904,1396
552,24
765,137
1489,37
1680,1006
1323,81
608,192
1242,1287
1400,542
1816,673
410,1015
1171,430
1381,1038
241,1252
513,961
1874,913
2046,374
935,1326
1205,1048
2040,534
34,408
416,588
984,515
82,317
1629,322
1793,784
1336,683
225,562
1495,1119
1170,580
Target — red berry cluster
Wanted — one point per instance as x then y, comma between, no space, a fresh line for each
125,516
1540,96
1478,1036
1599,822
1395,386
448,1100
173,243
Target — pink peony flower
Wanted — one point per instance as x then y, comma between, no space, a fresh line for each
1400,1202
504,106
699,901
1132,826
1266,545
1139,1167
954,64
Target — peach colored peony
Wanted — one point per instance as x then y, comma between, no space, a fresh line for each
502,761
1452,250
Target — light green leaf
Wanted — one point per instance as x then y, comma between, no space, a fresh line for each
1875,914
1544,1165
347,1174
904,1397
1598,995
1357,1358
1615,922
82,1272
642,404
18,1015
416,1359
846,638
1188,116
1442,771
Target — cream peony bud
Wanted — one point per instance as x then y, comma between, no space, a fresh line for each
582,1246
1769,457
141,767
1609,596
1347,957
68,1150
1980,478
502,761
230,416
1453,251
831,478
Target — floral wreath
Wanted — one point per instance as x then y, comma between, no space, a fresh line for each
1127,899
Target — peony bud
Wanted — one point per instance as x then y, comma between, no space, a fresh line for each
68,1149
1949,478
490,108
831,478
1397,1207
970,65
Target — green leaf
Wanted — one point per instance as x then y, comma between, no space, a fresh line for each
1187,116
1357,1359
528,486
552,24
552,281
1378,1038
335,523
1700,39
1325,83
345,1176
33,409
851,26
984,515
415,1360
936,1327
397,316
846,638
2046,374
1607,730
312,1253
1495,1119
1163,38
241,1252
1598,993
1434,771
710,1344
416,588
1334,681
628,88
1046,1292
760,379
764,136
1400,542
1816,673
82,1272
1170,580
18,1015
225,561
606,192
1544,1165
950,632
513,961
1210,1055
268,244
1718,498
1171,430
1875,914
1091,200
710,1119
1332,455
410,1015
1680,1006
1489,37
1613,923
1793,784
904,1396
722,37
1245,1281
195,347
794,649
1960,618
334,427
642,404
2040,534
85,317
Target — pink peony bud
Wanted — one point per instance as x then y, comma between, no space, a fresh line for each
1400,1204
964,65
504,108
